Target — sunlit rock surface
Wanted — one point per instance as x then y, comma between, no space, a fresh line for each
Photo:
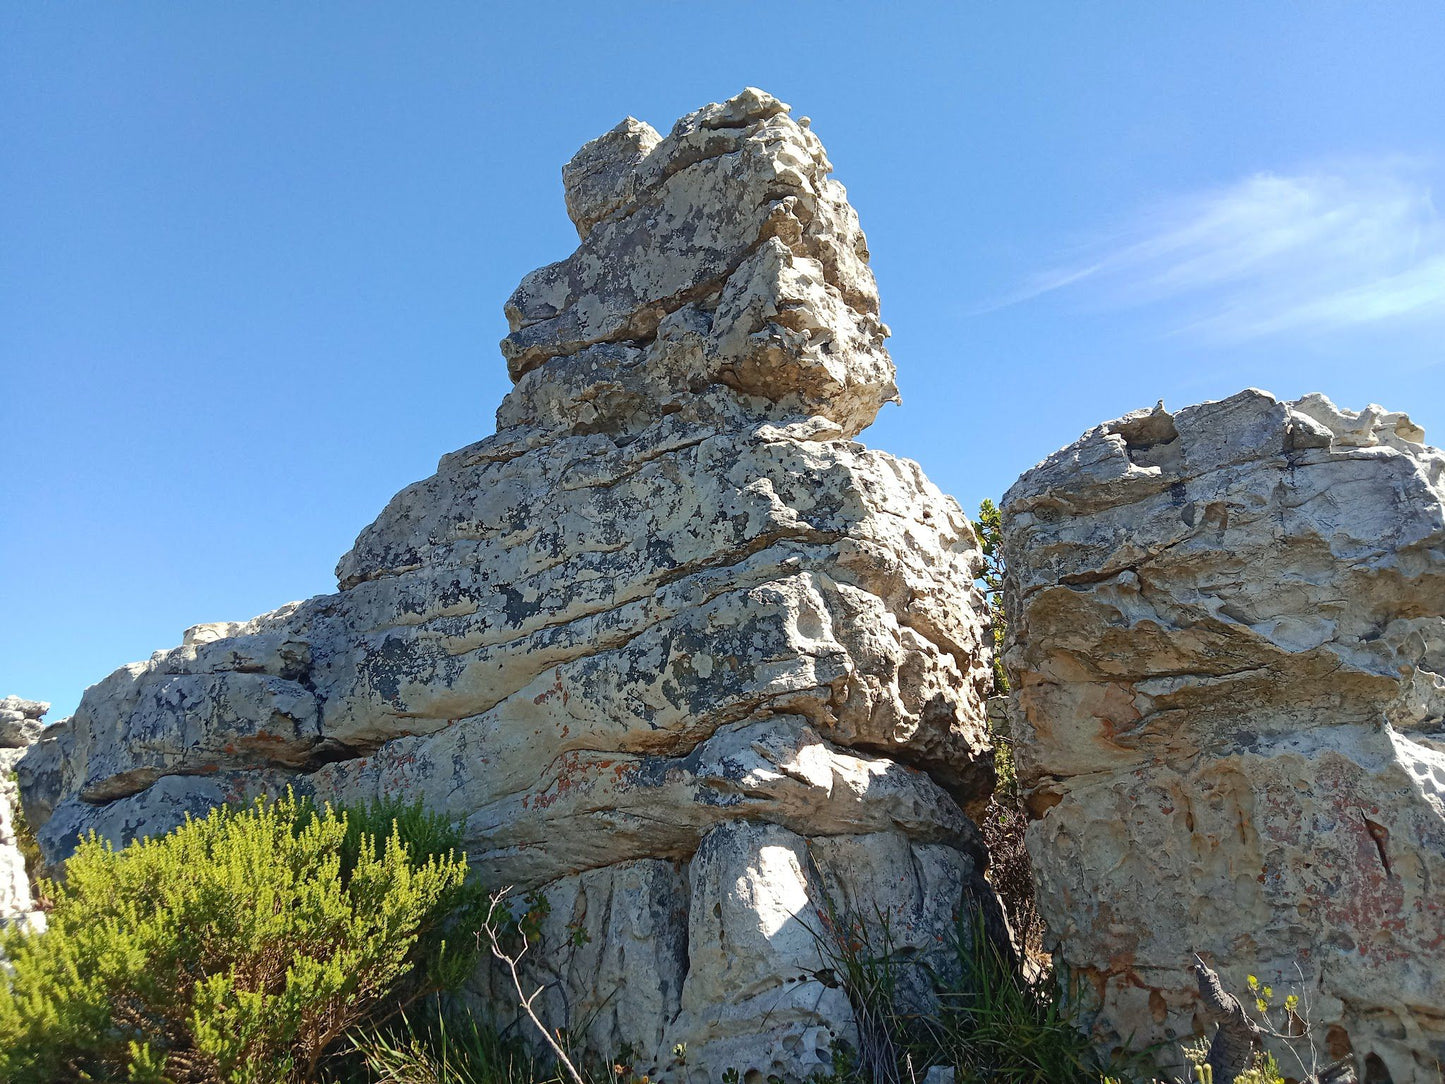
1227,639
20,726
679,652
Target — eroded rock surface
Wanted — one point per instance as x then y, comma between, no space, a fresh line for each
1227,639
20,727
681,654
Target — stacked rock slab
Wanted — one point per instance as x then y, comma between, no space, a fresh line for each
1227,637
20,726
680,654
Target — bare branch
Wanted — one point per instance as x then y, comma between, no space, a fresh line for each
522,998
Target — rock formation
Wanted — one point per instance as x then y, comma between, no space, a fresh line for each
1227,641
680,654
19,728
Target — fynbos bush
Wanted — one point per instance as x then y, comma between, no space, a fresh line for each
238,948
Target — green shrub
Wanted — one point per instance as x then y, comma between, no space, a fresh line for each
240,947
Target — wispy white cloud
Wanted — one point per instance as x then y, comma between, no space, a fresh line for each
1357,244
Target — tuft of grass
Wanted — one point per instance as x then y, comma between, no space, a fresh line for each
441,1047
991,1023
442,1043
867,965
999,1026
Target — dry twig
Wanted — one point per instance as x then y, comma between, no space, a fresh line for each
522,998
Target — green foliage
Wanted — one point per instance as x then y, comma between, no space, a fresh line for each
24,838
1005,821
529,922
991,1024
989,529
1195,1054
238,948
451,1047
1265,1070
443,1049
998,1026
866,963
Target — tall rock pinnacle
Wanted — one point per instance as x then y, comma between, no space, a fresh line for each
679,653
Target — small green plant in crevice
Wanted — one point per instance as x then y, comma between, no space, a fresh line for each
240,947
1263,1069
989,529
26,843
865,962
999,1025
980,1016
1287,1022
1005,820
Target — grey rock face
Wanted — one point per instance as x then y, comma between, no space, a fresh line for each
1227,638
20,727
679,652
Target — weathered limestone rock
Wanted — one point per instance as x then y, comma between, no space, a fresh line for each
1227,638
20,726
681,655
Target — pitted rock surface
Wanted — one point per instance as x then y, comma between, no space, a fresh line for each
20,727
681,655
1227,639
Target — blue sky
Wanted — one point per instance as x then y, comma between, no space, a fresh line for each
253,257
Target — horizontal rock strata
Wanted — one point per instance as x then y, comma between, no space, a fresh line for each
1227,640
680,654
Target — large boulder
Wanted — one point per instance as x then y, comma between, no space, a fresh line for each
684,658
20,727
1227,641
